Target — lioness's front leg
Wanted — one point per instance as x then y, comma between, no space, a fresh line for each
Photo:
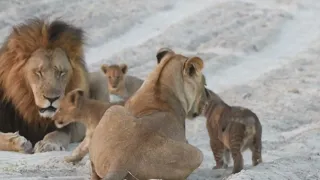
60,139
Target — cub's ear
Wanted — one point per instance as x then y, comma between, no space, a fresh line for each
124,68
75,95
193,66
162,52
104,68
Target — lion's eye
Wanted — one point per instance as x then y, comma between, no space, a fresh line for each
109,77
62,73
38,73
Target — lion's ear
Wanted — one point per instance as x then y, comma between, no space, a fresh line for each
193,66
162,52
124,68
104,68
75,96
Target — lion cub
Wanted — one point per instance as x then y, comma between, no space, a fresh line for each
232,129
77,107
119,83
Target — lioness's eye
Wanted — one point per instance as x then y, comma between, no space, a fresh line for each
62,73
38,73
109,77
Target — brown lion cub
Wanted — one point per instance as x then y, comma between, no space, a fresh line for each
232,129
119,83
77,107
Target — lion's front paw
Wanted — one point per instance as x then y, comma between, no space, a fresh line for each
72,159
26,147
23,145
45,146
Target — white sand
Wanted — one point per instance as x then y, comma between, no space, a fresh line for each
261,54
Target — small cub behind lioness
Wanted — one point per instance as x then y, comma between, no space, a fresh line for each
76,107
232,129
119,82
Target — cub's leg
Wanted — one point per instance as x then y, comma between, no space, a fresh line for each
94,175
81,150
236,140
256,149
226,158
217,148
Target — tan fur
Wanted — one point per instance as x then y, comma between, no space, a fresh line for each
232,129
146,138
119,83
41,60
98,86
77,107
14,142
27,50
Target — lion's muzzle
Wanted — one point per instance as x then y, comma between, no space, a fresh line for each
50,107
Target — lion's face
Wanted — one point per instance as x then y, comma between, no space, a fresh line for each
200,101
48,72
190,81
69,109
115,75
194,86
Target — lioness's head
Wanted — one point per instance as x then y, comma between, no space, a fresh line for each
115,74
200,102
69,109
48,73
190,82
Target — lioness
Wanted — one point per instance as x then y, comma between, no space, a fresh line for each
232,129
75,106
119,83
146,138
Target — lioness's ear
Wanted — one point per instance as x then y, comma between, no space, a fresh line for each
161,53
193,66
124,68
104,68
75,96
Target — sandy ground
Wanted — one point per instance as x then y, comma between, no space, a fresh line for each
261,54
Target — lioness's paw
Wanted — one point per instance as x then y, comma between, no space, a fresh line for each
46,146
72,159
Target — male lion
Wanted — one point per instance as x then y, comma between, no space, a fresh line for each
14,142
232,129
119,83
39,63
146,138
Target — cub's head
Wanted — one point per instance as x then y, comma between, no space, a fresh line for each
115,74
70,108
48,72
185,73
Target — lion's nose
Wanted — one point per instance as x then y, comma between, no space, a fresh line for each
51,100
